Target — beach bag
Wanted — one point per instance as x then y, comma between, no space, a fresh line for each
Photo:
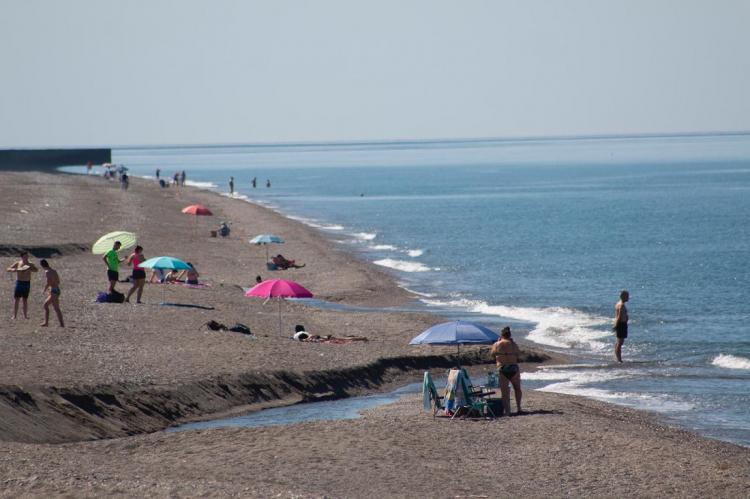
215,326
101,297
240,328
115,297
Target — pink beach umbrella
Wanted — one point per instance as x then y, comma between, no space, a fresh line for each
197,209
280,289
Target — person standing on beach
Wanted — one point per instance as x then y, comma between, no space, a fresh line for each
139,275
506,354
23,269
158,173
53,298
112,259
182,178
621,323
231,185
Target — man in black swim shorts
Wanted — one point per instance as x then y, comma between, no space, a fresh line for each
23,269
506,354
621,323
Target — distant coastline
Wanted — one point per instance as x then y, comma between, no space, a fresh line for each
447,140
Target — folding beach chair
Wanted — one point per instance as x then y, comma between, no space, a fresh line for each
475,402
461,400
431,400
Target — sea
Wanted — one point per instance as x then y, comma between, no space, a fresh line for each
541,235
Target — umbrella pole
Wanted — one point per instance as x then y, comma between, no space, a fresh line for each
266,252
280,316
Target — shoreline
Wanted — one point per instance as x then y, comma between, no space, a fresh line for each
148,348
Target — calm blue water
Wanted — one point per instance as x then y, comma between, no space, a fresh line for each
543,235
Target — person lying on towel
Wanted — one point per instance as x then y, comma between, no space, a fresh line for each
284,264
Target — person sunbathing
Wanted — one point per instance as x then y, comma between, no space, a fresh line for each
284,264
190,275
172,276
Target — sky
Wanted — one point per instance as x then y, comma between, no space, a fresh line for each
106,73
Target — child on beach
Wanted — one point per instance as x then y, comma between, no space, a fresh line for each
23,269
53,298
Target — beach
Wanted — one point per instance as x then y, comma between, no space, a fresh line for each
82,406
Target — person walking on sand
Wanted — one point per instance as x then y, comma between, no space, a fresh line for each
231,185
112,259
506,354
53,297
23,269
621,323
139,275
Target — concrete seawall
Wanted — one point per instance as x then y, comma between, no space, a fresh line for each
47,159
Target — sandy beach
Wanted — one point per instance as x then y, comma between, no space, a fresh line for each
82,407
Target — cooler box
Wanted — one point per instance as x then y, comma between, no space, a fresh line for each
496,406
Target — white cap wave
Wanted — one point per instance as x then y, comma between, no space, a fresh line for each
557,327
731,361
573,382
402,265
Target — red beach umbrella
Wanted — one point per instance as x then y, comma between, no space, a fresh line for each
280,289
197,209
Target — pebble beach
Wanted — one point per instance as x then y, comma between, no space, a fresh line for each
82,408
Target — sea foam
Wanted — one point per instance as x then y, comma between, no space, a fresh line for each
383,247
554,326
402,265
201,185
365,236
731,361
577,383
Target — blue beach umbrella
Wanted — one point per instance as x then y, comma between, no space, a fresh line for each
165,262
265,240
456,333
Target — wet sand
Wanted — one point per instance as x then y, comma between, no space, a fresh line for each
124,369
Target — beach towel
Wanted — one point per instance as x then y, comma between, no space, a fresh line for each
429,393
455,390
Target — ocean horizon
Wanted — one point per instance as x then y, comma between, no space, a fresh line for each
541,235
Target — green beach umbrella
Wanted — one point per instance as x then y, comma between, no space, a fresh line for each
104,243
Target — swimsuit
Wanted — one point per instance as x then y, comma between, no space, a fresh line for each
621,330
54,291
138,272
22,289
509,370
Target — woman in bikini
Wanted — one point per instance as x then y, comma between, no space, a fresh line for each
506,354
139,274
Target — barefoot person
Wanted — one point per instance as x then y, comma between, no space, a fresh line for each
506,354
139,274
621,323
112,259
23,269
53,298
